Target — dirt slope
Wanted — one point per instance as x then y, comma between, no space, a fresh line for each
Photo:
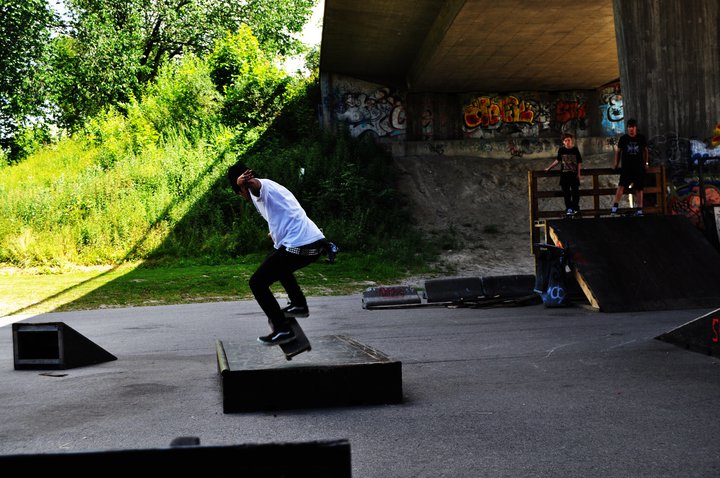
478,207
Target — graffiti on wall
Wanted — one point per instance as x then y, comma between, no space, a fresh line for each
380,112
684,169
685,199
612,110
484,116
426,122
518,148
491,112
674,153
571,114
365,107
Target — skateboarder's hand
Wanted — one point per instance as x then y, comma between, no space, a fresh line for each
245,177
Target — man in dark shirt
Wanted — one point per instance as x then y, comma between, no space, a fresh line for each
632,155
569,159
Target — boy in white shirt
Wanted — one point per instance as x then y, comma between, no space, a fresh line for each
298,242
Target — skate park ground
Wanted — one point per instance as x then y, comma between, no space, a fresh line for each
496,392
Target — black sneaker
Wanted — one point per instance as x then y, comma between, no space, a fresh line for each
296,311
277,338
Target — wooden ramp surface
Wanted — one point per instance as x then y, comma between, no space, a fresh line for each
630,264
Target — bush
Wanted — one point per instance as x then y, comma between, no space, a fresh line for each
183,96
253,87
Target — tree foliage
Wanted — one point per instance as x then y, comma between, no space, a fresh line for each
95,67
253,87
183,98
24,33
117,46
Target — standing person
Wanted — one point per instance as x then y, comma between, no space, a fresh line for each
631,154
569,159
297,242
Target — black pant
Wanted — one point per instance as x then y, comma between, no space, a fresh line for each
570,185
279,266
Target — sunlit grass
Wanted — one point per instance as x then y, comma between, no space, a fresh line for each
30,292
36,291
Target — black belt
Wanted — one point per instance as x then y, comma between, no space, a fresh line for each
304,252
314,249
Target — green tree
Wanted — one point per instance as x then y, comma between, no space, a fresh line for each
117,46
24,36
95,68
252,85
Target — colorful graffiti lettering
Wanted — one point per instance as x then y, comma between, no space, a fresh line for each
612,110
715,140
487,112
570,115
566,111
486,116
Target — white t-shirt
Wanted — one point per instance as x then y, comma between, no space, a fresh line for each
289,224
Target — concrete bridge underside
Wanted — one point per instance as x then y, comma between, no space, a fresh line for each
472,45
664,52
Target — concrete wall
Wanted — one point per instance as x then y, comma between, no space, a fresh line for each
669,56
516,125
501,125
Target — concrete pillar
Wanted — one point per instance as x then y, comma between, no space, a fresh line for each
327,108
433,117
669,57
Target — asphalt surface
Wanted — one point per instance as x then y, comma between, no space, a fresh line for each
498,392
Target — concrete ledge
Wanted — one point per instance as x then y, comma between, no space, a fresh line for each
454,289
339,371
329,459
389,295
507,286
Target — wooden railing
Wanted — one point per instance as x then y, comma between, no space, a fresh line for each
654,197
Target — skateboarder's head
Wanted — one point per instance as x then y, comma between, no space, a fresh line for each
632,127
233,173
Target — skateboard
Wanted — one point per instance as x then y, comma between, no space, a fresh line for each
630,213
299,345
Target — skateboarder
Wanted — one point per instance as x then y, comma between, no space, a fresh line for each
633,157
569,159
297,242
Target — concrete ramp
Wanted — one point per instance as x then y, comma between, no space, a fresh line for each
646,263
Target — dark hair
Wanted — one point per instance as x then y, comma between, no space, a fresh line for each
631,122
233,173
567,135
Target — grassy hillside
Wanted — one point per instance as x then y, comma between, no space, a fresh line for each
146,181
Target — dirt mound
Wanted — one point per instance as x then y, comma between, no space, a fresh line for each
477,207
